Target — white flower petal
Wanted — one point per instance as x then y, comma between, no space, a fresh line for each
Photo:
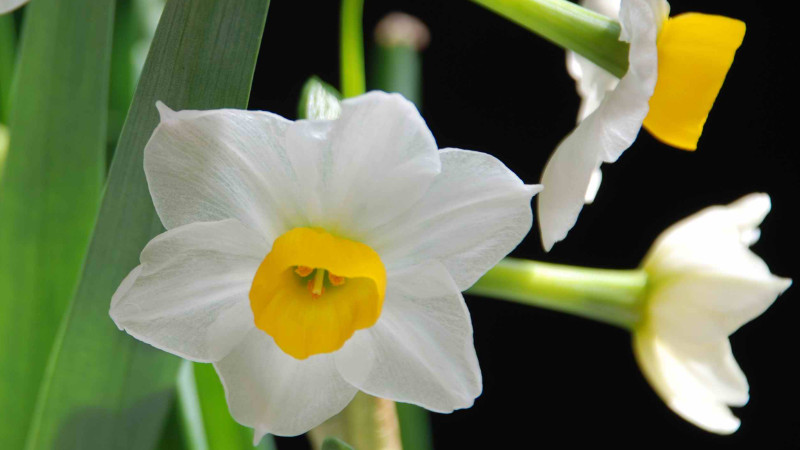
696,384
709,307
714,241
190,294
421,350
275,393
592,81
204,166
608,131
371,164
474,214
10,5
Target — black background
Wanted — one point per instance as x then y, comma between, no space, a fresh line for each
551,379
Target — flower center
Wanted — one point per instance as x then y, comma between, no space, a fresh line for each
314,290
695,52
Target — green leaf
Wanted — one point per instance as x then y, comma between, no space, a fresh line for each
318,100
50,188
415,427
331,443
134,24
103,389
8,43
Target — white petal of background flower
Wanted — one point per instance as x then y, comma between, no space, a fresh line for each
592,81
10,5
608,131
189,295
714,240
275,393
475,213
705,284
693,398
421,350
703,308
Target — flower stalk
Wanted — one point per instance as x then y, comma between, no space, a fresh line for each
367,422
611,296
351,64
569,26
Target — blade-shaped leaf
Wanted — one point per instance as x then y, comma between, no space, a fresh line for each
104,389
8,42
50,189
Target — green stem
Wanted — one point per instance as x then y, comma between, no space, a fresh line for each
352,48
366,423
8,43
570,26
610,296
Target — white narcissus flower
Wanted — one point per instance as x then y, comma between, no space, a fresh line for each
308,260
676,68
704,283
7,6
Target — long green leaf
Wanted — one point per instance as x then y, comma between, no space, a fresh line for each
50,189
8,43
103,389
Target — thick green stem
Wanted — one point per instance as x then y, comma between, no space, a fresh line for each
352,49
570,26
366,423
610,296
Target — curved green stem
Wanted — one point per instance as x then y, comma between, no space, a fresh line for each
352,49
570,26
610,296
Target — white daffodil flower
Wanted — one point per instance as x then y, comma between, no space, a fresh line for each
676,68
704,283
311,259
7,6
